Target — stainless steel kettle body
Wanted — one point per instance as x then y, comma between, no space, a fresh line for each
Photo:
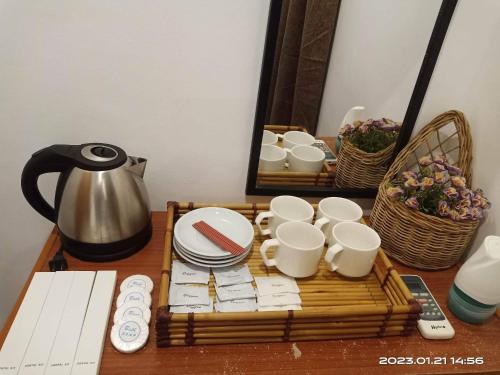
101,203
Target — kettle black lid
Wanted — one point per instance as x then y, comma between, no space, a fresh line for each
99,156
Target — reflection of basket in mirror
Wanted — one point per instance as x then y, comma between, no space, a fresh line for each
359,169
413,237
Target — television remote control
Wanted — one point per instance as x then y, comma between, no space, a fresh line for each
433,323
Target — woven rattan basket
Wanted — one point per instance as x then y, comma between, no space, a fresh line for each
333,307
359,169
324,178
412,237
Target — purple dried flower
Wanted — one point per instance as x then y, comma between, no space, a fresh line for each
346,129
441,159
427,183
451,192
409,174
454,215
476,213
464,213
476,200
412,203
440,177
443,208
439,167
394,193
466,194
458,181
454,171
425,161
485,204
412,183
464,203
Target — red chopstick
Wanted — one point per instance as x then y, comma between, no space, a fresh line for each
218,238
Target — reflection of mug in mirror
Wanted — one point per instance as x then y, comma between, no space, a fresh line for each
272,158
295,138
269,138
307,159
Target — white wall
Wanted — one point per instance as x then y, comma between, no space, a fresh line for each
173,81
467,78
376,56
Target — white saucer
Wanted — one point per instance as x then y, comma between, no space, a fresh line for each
230,223
200,263
205,261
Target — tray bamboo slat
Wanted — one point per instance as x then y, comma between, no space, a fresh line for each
333,307
324,178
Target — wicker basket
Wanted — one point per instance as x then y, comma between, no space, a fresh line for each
359,169
324,178
333,307
412,237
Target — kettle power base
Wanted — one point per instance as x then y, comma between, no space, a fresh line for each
107,252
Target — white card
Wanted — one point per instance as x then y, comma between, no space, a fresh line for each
188,295
185,273
276,284
21,330
89,352
279,299
238,291
193,308
68,334
232,275
38,351
280,308
236,305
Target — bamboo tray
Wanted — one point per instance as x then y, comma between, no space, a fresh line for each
324,178
333,307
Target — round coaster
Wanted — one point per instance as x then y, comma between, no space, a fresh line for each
141,281
135,294
129,335
132,309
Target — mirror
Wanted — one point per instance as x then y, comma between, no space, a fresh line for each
340,91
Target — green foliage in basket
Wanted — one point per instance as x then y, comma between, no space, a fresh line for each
372,135
439,189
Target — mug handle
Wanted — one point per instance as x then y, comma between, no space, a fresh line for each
330,255
263,250
320,222
258,220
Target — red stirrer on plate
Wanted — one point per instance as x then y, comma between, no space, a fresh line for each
218,238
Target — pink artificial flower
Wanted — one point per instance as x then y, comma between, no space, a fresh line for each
394,192
439,167
409,174
464,203
346,129
454,171
466,194
441,159
464,213
476,213
364,128
454,215
412,203
485,204
476,200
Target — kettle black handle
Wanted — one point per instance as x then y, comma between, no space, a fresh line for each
56,158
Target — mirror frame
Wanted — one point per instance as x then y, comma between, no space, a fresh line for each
436,40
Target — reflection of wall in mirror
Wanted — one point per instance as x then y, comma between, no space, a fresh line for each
376,56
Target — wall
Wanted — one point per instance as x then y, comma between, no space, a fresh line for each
173,81
376,56
467,78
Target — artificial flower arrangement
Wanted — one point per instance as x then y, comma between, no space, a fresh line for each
372,135
439,189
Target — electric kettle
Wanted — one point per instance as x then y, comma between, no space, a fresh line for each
101,205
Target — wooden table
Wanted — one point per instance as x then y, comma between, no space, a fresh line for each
356,356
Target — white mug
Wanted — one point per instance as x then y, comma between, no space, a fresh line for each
335,210
307,159
296,138
272,159
269,138
299,249
354,250
282,209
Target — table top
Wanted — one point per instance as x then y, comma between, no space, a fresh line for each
340,356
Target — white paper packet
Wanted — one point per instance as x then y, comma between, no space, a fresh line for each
236,305
185,273
238,291
279,299
188,295
193,308
232,275
276,284
279,308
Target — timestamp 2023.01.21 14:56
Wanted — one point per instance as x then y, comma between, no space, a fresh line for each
431,360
